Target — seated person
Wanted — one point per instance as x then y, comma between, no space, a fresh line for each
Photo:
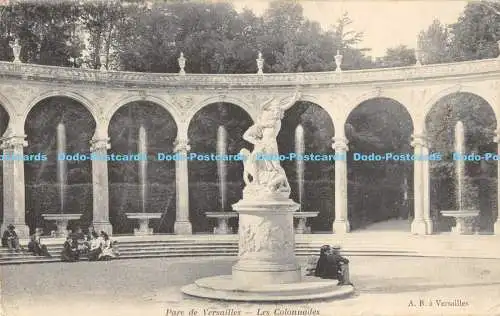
90,232
35,245
107,248
81,239
70,252
78,233
331,265
95,247
10,239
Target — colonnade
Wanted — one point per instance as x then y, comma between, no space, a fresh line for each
14,185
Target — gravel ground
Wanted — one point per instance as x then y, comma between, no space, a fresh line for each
384,286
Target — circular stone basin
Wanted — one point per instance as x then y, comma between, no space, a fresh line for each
460,213
305,214
310,288
61,217
143,215
221,214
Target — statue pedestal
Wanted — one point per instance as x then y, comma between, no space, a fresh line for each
62,221
267,269
267,243
302,227
143,218
222,221
465,221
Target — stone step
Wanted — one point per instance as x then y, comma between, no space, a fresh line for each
200,252
33,260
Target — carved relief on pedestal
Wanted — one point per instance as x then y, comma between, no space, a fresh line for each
265,236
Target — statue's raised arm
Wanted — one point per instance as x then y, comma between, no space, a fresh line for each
288,103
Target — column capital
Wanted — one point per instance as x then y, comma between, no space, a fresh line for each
13,141
496,138
419,140
340,144
99,144
181,145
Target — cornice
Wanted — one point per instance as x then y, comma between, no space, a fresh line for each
119,79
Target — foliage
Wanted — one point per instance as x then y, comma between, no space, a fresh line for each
399,56
434,44
470,194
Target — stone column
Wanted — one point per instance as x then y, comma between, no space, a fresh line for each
418,226
182,224
13,183
429,225
341,223
496,227
99,147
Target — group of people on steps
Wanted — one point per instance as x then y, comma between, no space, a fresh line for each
92,245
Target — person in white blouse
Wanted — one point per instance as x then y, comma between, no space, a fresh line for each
108,252
96,243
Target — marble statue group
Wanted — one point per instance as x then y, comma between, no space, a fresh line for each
266,175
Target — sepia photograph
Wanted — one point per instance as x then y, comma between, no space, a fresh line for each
249,157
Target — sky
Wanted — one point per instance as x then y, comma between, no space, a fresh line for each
385,24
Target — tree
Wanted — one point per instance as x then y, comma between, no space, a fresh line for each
434,44
45,31
399,56
100,21
476,32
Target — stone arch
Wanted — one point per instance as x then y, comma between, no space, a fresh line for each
313,188
7,105
124,177
443,109
435,98
220,98
322,103
169,107
371,128
203,132
68,94
40,185
383,94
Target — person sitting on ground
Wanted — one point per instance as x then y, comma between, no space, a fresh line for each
90,232
95,247
10,239
343,266
107,248
78,233
330,264
323,269
70,252
35,245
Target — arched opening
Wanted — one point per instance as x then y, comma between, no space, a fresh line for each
142,186
54,185
318,176
205,192
380,190
480,181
